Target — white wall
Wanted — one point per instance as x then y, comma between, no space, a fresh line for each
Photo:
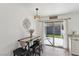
11,17
73,25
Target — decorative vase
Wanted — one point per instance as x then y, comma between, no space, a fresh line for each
31,32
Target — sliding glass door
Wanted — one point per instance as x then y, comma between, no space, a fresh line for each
54,34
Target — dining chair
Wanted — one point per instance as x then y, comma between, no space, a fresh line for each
21,51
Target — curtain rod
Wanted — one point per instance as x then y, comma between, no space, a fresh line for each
57,20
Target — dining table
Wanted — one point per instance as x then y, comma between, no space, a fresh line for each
28,41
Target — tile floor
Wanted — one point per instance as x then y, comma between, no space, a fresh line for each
53,51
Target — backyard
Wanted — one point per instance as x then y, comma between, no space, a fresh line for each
54,35
58,39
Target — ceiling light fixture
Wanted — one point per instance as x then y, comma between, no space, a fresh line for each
37,16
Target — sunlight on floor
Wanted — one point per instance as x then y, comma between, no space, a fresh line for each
58,41
53,51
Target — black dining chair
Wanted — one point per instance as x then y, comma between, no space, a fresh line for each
36,48
21,51
39,48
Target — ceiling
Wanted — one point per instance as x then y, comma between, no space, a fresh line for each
46,9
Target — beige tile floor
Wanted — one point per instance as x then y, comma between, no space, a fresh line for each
54,51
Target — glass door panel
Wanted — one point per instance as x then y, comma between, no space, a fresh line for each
54,34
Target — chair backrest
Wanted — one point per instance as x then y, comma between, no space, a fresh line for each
36,42
23,44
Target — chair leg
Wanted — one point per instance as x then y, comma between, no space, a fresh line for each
39,51
14,54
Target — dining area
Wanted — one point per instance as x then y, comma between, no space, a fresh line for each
29,46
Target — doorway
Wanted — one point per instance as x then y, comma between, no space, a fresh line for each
54,34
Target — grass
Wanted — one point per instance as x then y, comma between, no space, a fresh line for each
55,35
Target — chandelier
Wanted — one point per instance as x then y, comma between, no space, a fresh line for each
37,16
